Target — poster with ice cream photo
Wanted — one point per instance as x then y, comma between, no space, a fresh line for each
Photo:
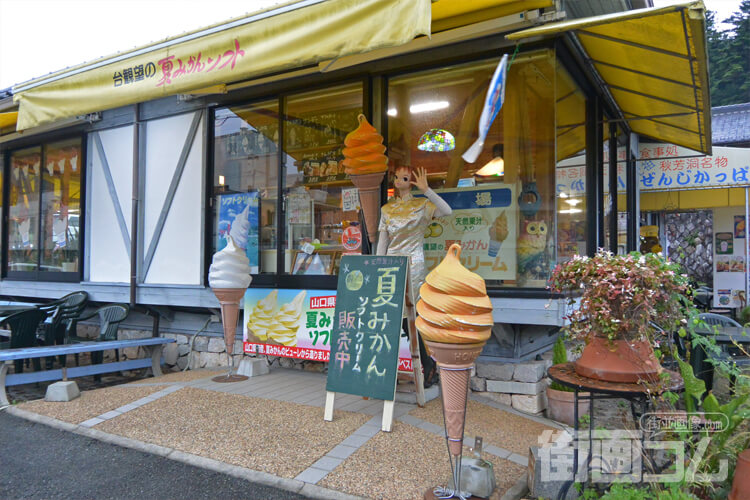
237,216
295,324
484,222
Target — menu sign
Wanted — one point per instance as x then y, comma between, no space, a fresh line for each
367,325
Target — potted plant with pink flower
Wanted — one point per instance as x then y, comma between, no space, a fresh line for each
617,302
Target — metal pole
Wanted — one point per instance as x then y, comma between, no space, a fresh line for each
613,185
134,206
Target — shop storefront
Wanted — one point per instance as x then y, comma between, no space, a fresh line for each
130,202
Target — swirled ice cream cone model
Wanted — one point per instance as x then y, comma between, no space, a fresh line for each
229,277
364,151
455,321
366,163
454,307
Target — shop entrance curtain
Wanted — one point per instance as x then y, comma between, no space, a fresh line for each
654,64
289,36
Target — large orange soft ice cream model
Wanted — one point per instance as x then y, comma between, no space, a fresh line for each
455,320
366,163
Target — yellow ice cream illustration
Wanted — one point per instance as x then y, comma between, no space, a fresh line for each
284,330
262,318
454,307
498,233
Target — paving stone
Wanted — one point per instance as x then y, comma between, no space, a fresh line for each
216,345
327,463
529,372
341,451
311,475
529,404
478,384
495,371
515,387
171,353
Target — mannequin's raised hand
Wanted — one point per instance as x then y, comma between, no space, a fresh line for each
420,180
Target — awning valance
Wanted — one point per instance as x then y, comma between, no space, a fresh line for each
8,119
296,34
654,64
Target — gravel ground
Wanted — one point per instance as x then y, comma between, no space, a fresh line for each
187,376
404,464
90,404
497,427
280,438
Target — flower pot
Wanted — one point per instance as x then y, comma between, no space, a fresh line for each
618,361
741,482
561,407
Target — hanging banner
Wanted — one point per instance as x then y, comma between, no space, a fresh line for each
285,37
237,216
296,324
492,104
663,167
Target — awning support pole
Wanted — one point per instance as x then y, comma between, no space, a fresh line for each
134,206
613,181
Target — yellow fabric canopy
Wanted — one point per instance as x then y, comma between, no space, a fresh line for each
8,119
447,14
292,35
654,63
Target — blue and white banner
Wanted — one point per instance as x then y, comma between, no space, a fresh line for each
492,104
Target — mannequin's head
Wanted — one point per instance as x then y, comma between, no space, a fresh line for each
402,177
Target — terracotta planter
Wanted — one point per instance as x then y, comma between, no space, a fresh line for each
741,482
560,406
618,361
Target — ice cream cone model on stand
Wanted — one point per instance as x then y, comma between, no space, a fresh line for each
229,277
366,163
455,320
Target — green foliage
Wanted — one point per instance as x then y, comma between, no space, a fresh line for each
630,491
622,296
559,356
729,57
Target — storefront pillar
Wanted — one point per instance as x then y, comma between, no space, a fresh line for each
632,191
613,188
594,176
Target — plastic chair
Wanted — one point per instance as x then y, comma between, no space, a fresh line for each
703,370
712,319
110,317
61,313
23,326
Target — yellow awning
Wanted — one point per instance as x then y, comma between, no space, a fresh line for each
8,119
289,36
448,14
654,63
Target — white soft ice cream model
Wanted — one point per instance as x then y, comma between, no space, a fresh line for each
229,277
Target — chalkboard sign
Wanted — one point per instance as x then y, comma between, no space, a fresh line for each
367,326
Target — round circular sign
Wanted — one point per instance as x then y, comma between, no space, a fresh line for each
354,280
351,238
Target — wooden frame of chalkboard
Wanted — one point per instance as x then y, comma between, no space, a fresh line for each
371,297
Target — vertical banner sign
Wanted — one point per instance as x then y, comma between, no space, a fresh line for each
367,325
492,104
237,216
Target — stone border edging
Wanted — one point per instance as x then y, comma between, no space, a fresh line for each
259,477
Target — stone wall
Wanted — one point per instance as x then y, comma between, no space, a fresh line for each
690,242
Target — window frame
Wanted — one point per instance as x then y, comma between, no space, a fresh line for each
38,274
280,278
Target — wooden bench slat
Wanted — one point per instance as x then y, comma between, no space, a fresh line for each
58,350
76,371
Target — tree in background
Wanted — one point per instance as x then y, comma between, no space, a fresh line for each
729,57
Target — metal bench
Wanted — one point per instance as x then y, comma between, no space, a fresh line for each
153,347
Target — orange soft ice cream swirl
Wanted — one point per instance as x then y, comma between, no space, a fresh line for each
454,307
364,150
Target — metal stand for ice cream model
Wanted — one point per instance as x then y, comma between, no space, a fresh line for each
229,299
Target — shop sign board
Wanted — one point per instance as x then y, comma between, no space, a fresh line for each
237,215
483,222
295,324
663,167
367,325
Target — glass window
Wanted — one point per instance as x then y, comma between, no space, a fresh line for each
23,240
246,164
570,118
504,220
45,208
315,124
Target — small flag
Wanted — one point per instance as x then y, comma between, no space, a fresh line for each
492,104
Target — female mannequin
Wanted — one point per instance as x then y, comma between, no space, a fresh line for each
403,221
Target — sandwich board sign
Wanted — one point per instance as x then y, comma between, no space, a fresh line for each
366,331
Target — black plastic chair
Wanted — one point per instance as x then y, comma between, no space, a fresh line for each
23,326
110,317
61,314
